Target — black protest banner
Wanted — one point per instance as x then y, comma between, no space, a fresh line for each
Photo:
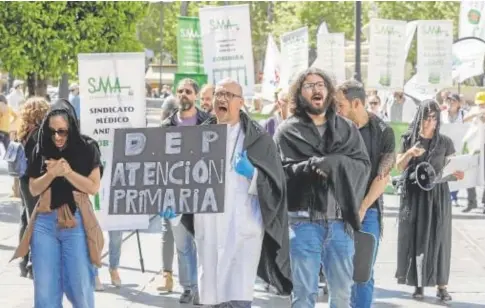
179,167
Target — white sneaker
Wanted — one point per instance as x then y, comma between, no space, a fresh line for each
98,287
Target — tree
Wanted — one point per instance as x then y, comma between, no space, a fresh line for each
44,38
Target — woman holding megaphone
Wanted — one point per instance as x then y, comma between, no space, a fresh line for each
424,236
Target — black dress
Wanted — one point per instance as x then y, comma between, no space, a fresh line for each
28,201
424,234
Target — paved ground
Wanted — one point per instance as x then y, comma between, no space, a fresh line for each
467,284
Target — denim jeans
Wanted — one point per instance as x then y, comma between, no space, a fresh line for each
186,256
454,195
167,245
114,250
61,264
362,293
315,243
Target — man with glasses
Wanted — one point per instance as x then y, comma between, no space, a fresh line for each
374,106
379,140
187,114
326,162
230,244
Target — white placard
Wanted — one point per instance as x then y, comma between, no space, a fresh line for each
472,21
112,92
435,41
456,131
470,165
386,54
227,45
294,54
331,55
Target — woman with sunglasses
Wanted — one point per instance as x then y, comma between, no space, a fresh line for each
64,170
424,235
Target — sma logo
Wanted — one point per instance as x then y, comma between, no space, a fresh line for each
222,25
387,30
106,86
435,30
189,34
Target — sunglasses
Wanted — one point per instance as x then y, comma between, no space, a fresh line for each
374,103
60,132
187,91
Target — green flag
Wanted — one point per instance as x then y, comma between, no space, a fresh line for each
189,46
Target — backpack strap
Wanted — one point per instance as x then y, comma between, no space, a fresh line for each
31,132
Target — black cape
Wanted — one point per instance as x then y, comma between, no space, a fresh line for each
424,232
346,162
274,264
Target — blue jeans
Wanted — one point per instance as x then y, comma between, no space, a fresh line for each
114,250
362,293
61,264
315,243
454,195
186,256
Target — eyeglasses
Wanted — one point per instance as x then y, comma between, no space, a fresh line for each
309,86
374,103
187,91
225,95
60,132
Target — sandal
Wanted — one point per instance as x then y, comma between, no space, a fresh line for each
418,293
443,295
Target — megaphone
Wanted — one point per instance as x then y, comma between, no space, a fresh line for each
424,176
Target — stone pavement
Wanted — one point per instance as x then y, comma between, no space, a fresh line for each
467,284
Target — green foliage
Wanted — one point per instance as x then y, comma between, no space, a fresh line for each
45,37
338,15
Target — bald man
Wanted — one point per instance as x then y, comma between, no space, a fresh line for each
230,244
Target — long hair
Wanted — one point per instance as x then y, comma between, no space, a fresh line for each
296,105
31,115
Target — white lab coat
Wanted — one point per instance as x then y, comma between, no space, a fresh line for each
229,243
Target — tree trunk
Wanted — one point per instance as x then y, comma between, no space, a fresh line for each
31,84
64,86
184,8
41,87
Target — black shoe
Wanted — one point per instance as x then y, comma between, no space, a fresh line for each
443,295
23,272
469,208
418,293
186,297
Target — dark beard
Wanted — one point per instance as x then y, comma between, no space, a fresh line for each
307,106
186,105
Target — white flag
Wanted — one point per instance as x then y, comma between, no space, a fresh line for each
271,75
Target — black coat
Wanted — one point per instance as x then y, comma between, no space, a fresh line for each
274,264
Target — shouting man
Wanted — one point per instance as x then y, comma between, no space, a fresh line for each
186,114
326,162
251,236
379,140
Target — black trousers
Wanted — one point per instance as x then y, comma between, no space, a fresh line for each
28,204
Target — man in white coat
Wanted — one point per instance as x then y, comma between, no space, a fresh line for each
230,244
